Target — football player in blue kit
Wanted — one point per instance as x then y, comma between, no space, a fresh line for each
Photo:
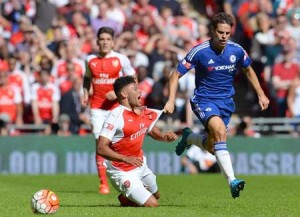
215,63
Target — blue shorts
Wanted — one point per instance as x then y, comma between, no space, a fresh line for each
207,109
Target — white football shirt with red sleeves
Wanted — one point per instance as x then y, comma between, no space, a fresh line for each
45,96
19,79
103,72
60,68
10,96
126,131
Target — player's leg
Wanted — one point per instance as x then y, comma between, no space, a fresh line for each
97,120
217,130
189,138
199,139
150,184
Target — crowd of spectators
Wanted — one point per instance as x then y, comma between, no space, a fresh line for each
43,45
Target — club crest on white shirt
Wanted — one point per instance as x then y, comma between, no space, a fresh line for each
115,63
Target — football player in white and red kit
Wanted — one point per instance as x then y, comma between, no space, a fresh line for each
10,100
101,71
45,101
121,140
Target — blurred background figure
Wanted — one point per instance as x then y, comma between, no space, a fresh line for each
4,122
145,83
294,101
45,102
10,100
244,128
63,125
70,104
198,161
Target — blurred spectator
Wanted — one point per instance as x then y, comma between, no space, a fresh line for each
293,100
284,73
174,5
289,50
156,49
114,12
158,98
45,101
75,7
18,78
45,13
70,104
78,23
4,46
244,128
69,54
180,30
264,45
187,86
10,100
65,82
203,33
103,20
64,125
145,83
135,50
13,10
4,122
294,25
198,161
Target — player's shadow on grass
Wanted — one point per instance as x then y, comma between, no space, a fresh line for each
76,192
98,205
117,205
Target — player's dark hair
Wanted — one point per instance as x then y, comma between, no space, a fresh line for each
107,30
222,18
122,82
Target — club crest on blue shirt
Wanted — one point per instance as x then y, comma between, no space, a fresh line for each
232,58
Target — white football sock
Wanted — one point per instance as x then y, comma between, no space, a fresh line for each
196,139
224,161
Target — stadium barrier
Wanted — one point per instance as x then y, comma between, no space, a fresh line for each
281,127
75,155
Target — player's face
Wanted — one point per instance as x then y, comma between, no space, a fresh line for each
221,35
105,43
134,95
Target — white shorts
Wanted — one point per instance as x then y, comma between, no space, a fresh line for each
137,184
98,116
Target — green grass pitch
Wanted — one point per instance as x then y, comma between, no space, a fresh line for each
182,195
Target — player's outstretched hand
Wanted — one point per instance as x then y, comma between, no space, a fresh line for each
169,107
264,102
170,137
136,161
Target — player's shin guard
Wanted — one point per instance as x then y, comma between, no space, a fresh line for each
224,160
101,170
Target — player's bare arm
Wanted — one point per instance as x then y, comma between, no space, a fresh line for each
156,134
262,98
19,119
105,151
173,85
111,96
86,88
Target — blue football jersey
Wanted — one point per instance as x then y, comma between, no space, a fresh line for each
214,72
